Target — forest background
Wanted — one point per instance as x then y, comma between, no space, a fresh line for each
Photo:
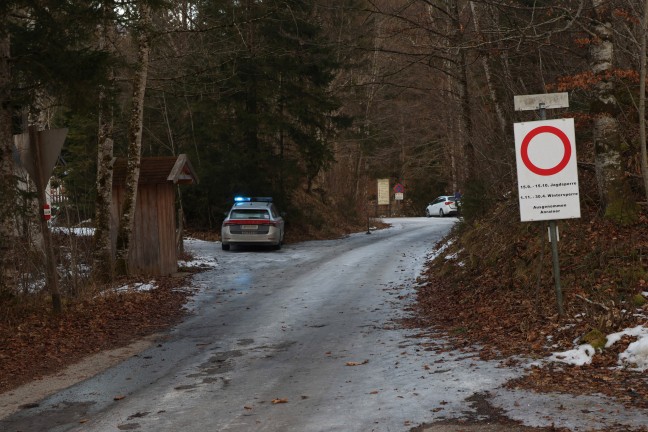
310,102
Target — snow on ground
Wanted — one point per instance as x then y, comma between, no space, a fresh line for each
201,259
136,287
440,249
79,231
635,357
202,254
579,356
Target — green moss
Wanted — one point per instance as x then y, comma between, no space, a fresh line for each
596,338
638,300
621,212
621,208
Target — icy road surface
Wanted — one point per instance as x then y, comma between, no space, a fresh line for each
306,339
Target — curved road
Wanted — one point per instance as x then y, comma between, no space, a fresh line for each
302,339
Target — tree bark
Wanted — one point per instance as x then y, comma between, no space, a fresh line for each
487,74
127,218
103,267
51,275
614,190
460,72
642,101
7,186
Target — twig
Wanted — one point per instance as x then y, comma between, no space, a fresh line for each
592,302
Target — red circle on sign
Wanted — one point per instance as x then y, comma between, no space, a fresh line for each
525,150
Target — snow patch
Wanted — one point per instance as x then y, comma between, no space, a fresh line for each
579,356
432,256
136,287
199,262
635,357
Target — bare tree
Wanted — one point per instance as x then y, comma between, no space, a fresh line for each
642,99
127,217
614,189
6,162
103,260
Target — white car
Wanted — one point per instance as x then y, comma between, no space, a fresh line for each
252,221
445,205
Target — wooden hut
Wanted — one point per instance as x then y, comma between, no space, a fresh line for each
153,245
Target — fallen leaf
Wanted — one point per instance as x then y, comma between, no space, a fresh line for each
351,363
279,401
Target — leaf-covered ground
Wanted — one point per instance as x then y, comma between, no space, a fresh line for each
35,343
492,286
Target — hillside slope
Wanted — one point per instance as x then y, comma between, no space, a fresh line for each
491,284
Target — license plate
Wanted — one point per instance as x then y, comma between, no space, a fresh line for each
249,227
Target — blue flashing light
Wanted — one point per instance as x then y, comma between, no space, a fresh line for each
242,199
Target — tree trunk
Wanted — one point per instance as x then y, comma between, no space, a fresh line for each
127,217
642,101
51,275
468,175
614,190
487,74
7,187
103,267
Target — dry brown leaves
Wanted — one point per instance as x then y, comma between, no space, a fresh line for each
627,387
41,343
502,297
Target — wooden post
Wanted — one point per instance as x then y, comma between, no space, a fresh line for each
51,277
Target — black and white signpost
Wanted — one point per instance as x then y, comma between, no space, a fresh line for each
546,170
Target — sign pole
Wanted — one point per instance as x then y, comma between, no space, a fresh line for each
553,235
39,179
556,265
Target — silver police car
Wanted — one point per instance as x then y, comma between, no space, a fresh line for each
252,221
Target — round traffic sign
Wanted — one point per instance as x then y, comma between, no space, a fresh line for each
525,150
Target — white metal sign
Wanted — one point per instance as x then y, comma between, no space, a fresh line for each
546,169
543,100
383,191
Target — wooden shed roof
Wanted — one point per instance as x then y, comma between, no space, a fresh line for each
157,170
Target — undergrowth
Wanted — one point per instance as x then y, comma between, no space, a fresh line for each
495,279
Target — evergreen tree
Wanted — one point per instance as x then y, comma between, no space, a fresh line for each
266,128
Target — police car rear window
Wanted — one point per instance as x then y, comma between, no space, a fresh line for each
249,214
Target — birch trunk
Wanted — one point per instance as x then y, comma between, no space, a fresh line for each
103,268
614,190
642,101
127,217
